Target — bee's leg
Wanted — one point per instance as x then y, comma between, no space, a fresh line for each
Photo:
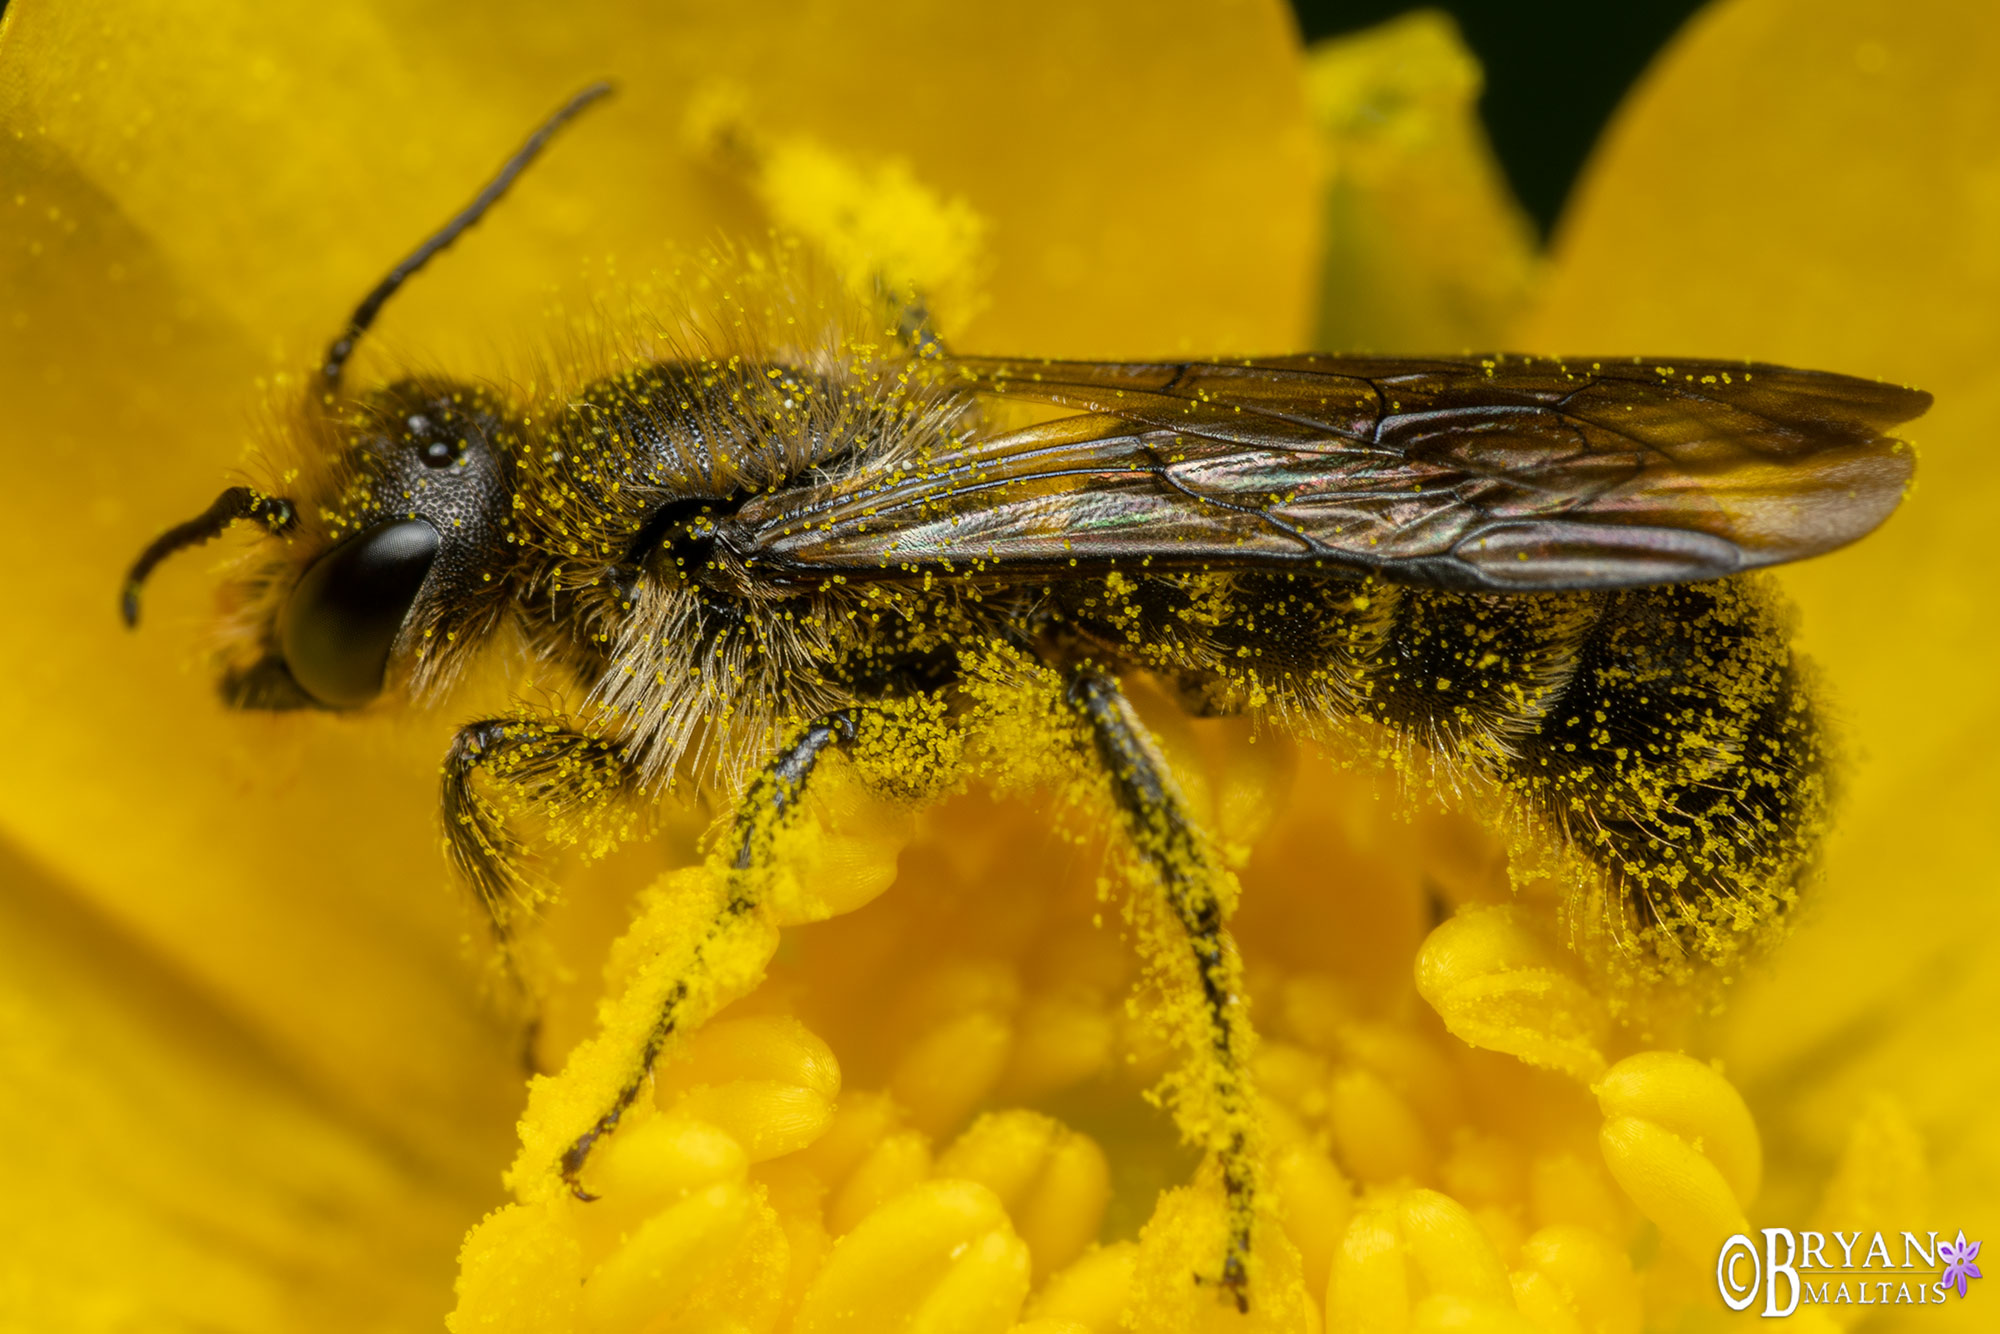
1192,878
914,327
769,802
566,774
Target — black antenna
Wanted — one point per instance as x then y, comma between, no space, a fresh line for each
238,502
371,305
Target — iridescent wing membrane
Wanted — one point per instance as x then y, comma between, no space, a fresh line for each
1501,473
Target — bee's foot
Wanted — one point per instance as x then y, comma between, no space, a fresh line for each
575,1155
1234,1283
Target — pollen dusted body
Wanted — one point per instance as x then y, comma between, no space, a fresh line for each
737,551
1666,733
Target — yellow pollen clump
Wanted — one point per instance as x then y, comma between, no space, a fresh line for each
873,222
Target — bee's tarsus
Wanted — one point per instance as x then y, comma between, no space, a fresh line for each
574,1156
1236,1283
771,799
578,1153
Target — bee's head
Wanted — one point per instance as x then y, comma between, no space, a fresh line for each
398,557
397,553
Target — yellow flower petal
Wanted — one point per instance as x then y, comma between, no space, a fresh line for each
1426,249
165,1169
1815,183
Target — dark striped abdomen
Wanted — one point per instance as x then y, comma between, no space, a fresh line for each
1666,735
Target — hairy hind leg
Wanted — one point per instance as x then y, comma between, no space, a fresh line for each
767,805
1193,882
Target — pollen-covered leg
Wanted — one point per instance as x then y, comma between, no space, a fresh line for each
1216,1105
502,769
497,769
770,802
915,328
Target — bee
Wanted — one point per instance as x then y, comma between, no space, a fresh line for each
1535,571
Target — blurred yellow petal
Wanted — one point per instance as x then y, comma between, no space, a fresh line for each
165,1169
1818,182
1426,248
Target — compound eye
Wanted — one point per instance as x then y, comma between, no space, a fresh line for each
339,624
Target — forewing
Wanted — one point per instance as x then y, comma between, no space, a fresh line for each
1494,473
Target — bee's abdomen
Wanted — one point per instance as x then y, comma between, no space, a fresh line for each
1474,676
1683,757
1666,735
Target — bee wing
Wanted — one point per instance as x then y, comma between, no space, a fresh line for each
1485,473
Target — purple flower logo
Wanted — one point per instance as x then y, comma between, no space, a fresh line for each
1958,1257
